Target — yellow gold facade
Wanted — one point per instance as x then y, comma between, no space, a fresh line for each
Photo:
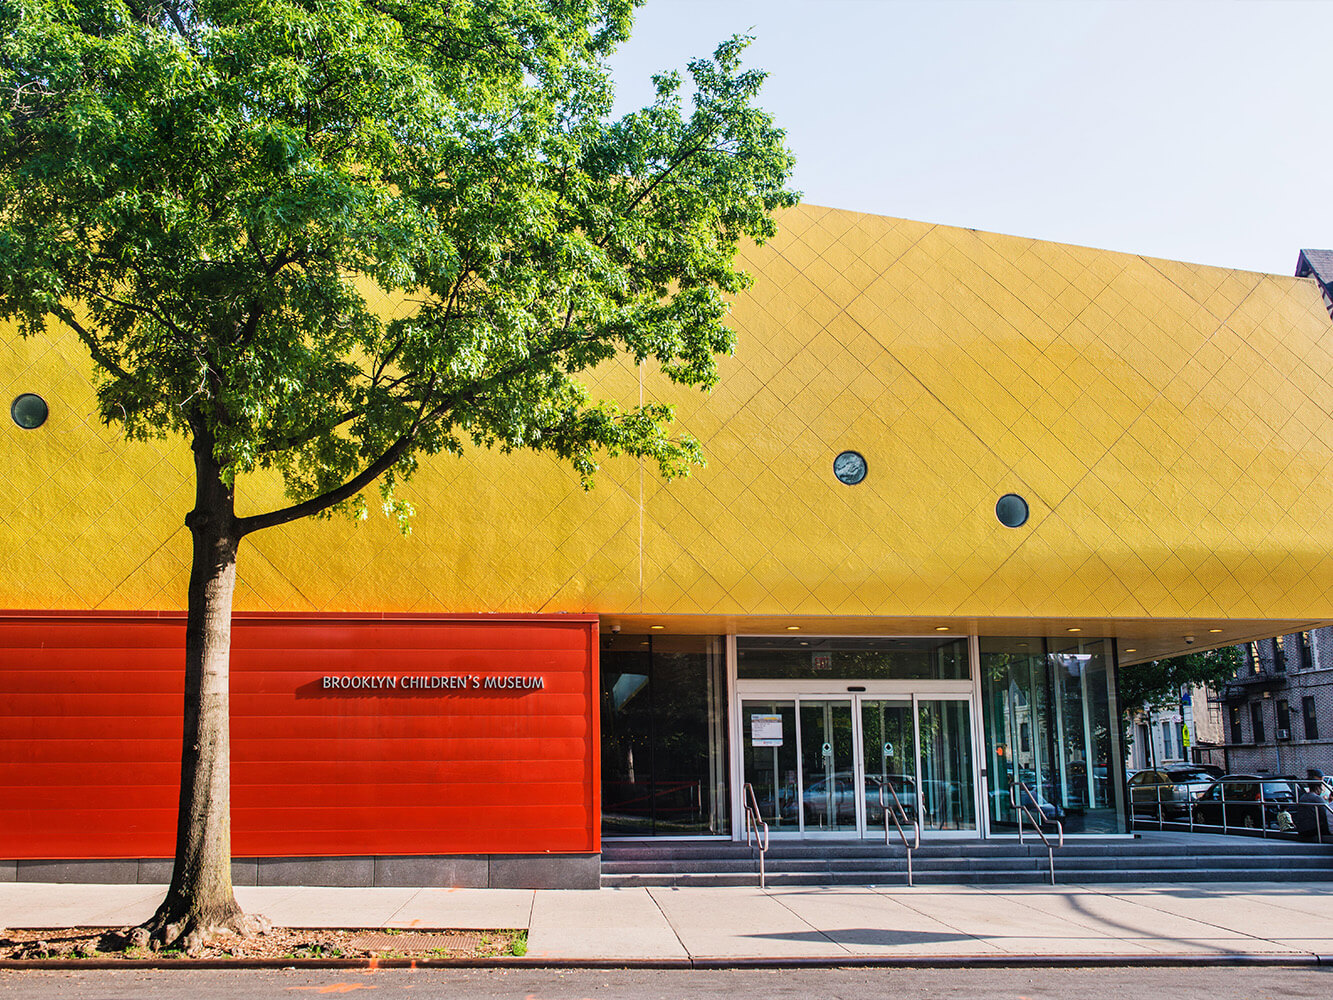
1169,425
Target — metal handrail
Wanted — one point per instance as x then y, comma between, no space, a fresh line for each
1257,811
756,826
893,814
1186,803
1020,802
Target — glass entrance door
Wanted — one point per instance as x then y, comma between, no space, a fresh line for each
824,765
889,741
828,768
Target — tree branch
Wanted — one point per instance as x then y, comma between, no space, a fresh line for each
176,19
347,490
425,415
134,307
94,346
309,433
683,157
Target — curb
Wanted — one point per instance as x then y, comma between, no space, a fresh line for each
831,962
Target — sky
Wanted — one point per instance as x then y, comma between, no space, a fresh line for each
1174,129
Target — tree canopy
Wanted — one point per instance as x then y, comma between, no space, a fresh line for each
214,195
207,192
1157,683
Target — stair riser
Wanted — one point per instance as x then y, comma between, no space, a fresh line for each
1241,850
978,878
790,862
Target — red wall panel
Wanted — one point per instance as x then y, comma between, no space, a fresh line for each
90,736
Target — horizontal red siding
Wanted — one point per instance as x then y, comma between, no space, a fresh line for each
90,736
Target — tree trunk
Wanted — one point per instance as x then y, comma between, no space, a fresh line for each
200,902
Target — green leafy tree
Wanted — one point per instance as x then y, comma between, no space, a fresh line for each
1157,684
212,194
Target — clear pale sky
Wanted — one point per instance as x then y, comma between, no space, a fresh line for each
1177,129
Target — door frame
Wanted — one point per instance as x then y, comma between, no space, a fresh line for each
910,692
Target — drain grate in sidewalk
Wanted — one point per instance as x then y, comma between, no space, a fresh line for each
411,942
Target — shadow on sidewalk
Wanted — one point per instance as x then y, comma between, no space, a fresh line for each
864,935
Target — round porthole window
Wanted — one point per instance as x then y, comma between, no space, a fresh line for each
28,410
1012,510
850,467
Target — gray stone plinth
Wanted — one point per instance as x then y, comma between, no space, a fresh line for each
104,872
316,871
475,871
461,871
546,871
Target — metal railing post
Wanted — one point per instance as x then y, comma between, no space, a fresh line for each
1020,795
1325,812
755,825
916,825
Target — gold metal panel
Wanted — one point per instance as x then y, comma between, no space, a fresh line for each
1168,424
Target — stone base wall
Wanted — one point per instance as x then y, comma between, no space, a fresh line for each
479,871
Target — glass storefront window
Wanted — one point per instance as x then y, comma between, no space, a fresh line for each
948,794
664,742
1051,722
836,658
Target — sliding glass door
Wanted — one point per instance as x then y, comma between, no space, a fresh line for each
826,765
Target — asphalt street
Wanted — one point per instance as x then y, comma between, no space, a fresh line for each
1204,983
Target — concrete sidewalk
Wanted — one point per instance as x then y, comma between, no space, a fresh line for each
1270,920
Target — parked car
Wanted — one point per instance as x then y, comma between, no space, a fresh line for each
1166,793
1246,801
903,785
836,797
1003,811
829,801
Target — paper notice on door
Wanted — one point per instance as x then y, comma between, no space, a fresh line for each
766,730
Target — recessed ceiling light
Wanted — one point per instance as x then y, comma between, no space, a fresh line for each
1214,630
941,628
1131,651
1073,630
793,628
804,643
657,626
1023,644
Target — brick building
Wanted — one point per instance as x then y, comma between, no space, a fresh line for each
1278,712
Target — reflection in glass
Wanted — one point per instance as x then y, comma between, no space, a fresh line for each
1050,723
664,747
890,760
842,658
829,796
948,793
768,731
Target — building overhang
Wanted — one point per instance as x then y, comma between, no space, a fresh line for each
1138,639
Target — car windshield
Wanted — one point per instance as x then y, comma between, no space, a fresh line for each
1278,790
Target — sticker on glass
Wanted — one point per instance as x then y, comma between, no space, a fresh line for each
766,730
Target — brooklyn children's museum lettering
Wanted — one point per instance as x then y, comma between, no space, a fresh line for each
436,682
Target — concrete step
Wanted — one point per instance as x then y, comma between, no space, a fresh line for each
1237,846
1202,858
1027,877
